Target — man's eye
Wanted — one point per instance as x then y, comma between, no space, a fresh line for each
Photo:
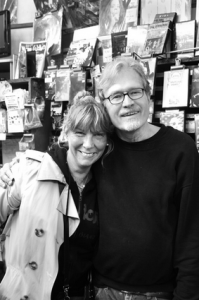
134,92
117,96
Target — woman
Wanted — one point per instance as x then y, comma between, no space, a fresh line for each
34,249
111,18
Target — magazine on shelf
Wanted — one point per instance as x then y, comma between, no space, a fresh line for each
176,88
119,43
189,123
77,83
136,37
196,119
157,37
194,95
81,52
148,10
196,52
104,50
183,9
40,49
184,38
149,65
174,118
163,17
117,16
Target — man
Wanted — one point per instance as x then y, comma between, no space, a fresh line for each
148,199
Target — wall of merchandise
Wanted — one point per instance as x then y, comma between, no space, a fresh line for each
71,42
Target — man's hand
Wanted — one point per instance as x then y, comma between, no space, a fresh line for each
6,176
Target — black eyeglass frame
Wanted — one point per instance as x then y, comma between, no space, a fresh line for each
124,94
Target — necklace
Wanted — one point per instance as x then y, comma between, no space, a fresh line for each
81,185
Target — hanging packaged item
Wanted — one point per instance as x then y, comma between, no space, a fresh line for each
62,83
15,114
50,80
27,142
40,54
77,83
31,117
3,120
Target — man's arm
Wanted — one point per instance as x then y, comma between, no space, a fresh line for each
186,251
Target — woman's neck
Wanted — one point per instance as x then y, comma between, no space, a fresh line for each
80,175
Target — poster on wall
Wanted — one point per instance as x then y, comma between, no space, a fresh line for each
10,5
40,50
48,27
117,15
77,14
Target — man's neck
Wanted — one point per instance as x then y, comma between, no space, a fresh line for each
139,134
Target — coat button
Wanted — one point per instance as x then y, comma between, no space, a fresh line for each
39,232
33,265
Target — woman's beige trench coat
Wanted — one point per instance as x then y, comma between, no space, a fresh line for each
34,232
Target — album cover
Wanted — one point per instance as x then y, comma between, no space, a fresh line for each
77,83
157,37
174,118
136,38
149,65
117,15
194,95
81,52
185,38
176,88
119,43
104,50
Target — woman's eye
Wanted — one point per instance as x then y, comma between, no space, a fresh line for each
79,133
100,134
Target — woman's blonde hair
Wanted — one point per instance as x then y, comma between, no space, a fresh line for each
86,114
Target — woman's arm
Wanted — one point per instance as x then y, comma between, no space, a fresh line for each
6,175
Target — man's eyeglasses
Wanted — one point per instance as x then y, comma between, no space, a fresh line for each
118,97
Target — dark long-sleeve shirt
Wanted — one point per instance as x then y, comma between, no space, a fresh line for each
148,197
